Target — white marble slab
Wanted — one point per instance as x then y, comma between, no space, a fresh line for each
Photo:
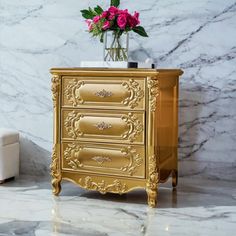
197,36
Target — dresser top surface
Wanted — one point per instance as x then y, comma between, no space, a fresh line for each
113,71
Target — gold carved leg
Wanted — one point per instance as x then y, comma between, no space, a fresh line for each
152,182
55,173
56,186
152,197
174,178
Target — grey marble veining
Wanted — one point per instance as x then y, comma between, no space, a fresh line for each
197,36
198,207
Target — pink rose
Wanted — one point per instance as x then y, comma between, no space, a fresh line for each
122,20
123,11
133,20
96,19
113,11
104,14
136,16
90,25
106,25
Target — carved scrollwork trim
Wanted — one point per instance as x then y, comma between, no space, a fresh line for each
55,89
136,93
135,127
135,160
71,124
72,92
153,86
116,187
71,155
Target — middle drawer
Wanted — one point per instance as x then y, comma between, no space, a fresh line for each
103,126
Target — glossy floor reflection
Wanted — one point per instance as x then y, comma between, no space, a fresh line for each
198,207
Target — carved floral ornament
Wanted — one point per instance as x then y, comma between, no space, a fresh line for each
103,126
134,89
103,93
101,159
54,164
72,154
152,182
72,92
135,160
153,173
71,124
55,89
153,86
55,171
136,93
103,187
134,126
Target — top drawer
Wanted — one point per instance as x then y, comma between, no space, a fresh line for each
108,92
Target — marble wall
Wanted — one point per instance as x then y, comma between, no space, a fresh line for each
197,36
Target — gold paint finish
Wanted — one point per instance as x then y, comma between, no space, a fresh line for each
115,130
92,92
87,125
153,93
104,158
100,159
103,93
116,187
103,125
152,181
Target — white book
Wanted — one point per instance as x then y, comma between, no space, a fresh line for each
116,64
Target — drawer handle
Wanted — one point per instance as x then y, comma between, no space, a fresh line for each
103,94
103,125
100,160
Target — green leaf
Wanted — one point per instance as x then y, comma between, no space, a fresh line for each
140,30
91,10
98,10
87,14
115,3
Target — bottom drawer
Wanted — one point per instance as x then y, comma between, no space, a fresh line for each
111,159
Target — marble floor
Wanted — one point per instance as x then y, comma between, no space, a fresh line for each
198,207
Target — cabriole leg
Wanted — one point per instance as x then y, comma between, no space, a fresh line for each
152,197
55,172
56,186
174,178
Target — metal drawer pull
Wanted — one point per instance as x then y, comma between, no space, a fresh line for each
100,160
103,125
103,93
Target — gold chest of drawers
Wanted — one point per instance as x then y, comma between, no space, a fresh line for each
115,129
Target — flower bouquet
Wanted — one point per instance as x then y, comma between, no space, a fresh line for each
118,23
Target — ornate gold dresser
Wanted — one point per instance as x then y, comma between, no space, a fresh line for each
115,129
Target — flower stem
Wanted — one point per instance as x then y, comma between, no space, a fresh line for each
115,51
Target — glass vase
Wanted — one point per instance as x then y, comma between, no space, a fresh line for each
116,46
